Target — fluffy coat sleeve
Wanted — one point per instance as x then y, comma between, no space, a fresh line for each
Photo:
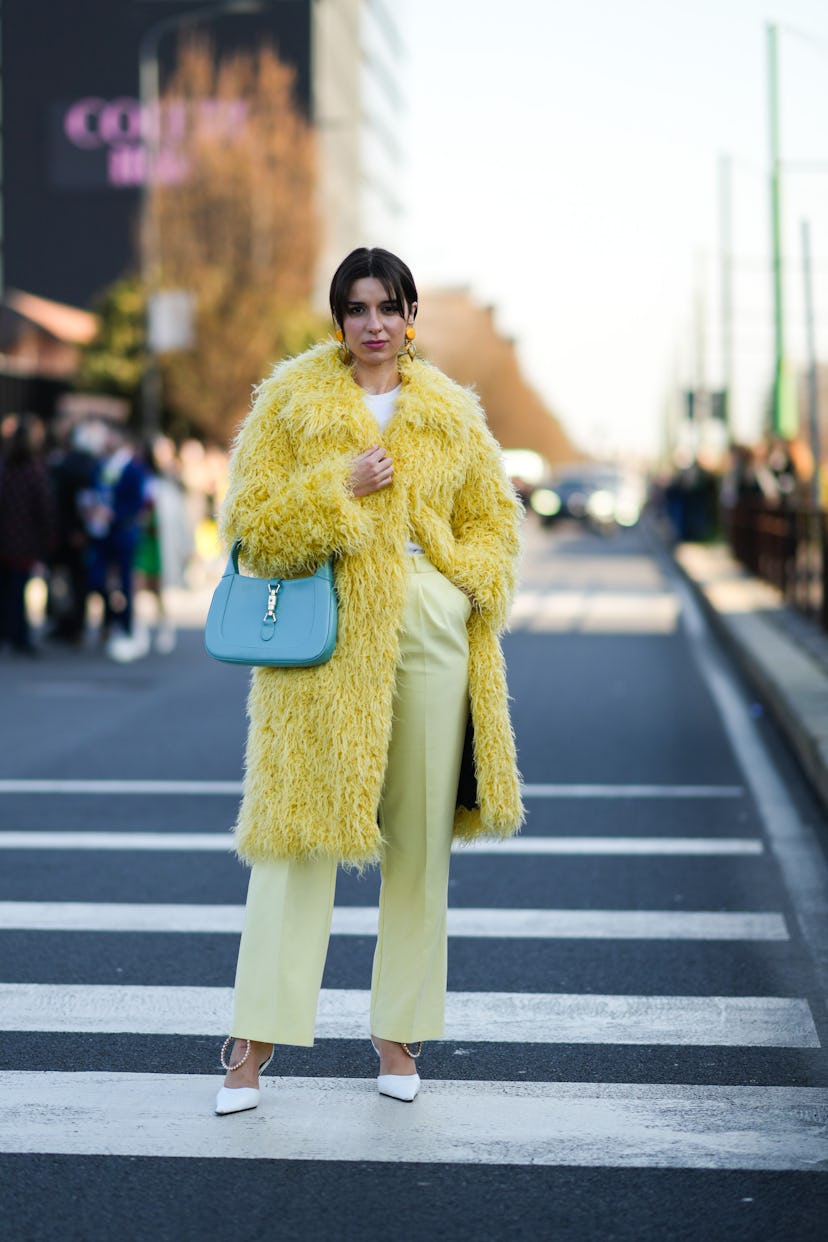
486,527
290,516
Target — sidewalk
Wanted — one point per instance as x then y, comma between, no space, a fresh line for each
782,655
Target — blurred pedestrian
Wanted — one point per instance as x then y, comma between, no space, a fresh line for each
112,514
72,470
26,525
782,468
691,500
364,452
166,542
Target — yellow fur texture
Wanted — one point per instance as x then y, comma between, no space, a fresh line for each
318,737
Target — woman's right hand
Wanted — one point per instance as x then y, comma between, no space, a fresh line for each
371,471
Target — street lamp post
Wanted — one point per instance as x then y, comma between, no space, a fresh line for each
783,409
150,97
2,196
813,390
726,286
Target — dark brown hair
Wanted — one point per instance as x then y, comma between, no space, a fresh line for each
394,276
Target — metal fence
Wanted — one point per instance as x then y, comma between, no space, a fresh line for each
787,547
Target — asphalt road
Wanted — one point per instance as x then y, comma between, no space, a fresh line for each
636,1045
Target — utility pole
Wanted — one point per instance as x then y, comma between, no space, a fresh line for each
699,410
813,396
726,284
783,408
2,182
700,329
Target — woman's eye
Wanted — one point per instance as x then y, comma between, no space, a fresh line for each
355,310
389,309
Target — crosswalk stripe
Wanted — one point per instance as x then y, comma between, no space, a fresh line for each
488,1017
609,1125
507,923
111,788
604,612
633,791
221,842
634,846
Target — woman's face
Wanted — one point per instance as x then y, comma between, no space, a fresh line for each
373,328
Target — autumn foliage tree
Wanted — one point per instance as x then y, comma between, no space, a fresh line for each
115,360
462,338
233,221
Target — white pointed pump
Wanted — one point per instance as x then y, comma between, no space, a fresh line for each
400,1086
238,1099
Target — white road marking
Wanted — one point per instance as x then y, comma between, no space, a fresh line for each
794,843
603,611
630,791
113,788
603,1125
189,842
490,1017
508,923
632,846
221,842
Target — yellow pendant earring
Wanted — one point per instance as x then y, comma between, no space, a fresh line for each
410,347
345,352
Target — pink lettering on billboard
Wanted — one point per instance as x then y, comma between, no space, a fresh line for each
102,142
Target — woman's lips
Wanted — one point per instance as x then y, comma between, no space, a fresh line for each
375,344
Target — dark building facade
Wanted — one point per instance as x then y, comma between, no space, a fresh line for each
72,159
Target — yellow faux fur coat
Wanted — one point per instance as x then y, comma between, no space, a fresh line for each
318,737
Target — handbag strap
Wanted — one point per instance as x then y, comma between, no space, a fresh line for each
325,570
233,558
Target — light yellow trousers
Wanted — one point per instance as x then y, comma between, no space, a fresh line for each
289,904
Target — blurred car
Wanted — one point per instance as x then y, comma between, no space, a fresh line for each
602,497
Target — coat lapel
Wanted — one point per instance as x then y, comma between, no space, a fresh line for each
320,380
324,384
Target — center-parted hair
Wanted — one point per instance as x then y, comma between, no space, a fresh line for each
394,276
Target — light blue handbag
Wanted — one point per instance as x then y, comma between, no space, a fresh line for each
275,622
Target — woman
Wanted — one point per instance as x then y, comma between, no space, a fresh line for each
361,451
165,544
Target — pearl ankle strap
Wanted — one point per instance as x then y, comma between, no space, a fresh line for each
240,1063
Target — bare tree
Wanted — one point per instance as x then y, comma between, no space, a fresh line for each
233,213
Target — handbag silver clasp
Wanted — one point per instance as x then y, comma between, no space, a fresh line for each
272,592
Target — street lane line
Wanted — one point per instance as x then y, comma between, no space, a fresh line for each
489,1017
508,923
222,842
110,788
603,1125
792,840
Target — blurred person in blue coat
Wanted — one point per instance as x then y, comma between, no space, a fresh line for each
112,510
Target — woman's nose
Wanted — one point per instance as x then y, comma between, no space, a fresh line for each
374,324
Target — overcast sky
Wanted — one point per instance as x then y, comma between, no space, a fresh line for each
563,164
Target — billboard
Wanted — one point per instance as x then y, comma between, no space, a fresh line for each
73,161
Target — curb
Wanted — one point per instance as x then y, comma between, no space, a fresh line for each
749,616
